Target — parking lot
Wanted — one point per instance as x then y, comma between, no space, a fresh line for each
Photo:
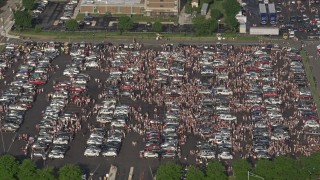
188,103
299,16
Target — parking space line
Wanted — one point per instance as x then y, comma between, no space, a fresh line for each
112,172
131,173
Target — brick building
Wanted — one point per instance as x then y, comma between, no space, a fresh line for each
145,7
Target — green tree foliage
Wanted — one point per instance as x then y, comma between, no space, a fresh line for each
216,171
8,167
204,26
157,26
263,165
70,172
194,173
22,19
45,174
27,170
309,166
37,28
169,171
72,25
216,14
28,4
125,23
231,7
285,168
232,22
241,168
188,8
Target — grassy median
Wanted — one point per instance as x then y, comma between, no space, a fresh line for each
83,35
309,74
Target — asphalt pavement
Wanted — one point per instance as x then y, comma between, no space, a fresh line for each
129,155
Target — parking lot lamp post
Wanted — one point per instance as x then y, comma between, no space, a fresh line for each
218,25
105,33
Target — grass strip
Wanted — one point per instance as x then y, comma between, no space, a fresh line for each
309,74
100,35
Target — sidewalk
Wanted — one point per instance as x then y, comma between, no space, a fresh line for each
7,15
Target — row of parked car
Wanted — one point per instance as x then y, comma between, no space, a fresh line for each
68,10
22,92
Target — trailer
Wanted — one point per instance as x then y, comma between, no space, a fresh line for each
272,13
263,14
204,9
272,31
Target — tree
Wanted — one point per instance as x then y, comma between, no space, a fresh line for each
28,4
241,168
285,168
204,26
170,171
45,174
157,26
188,8
216,14
265,169
194,173
125,23
72,25
231,22
37,28
70,172
8,167
231,7
216,171
27,170
22,19
310,167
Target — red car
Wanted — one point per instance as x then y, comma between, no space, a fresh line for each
252,68
270,94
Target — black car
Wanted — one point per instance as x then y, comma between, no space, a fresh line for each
299,18
293,19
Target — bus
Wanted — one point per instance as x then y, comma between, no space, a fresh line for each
263,14
272,13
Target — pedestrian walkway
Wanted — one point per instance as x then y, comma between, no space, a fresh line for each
77,10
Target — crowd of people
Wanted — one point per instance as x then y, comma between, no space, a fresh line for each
156,87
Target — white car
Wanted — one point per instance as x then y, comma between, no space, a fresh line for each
91,64
225,155
224,92
60,141
118,124
222,108
91,153
311,123
109,154
149,154
273,101
223,76
227,117
274,115
94,141
56,155
65,18
207,154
